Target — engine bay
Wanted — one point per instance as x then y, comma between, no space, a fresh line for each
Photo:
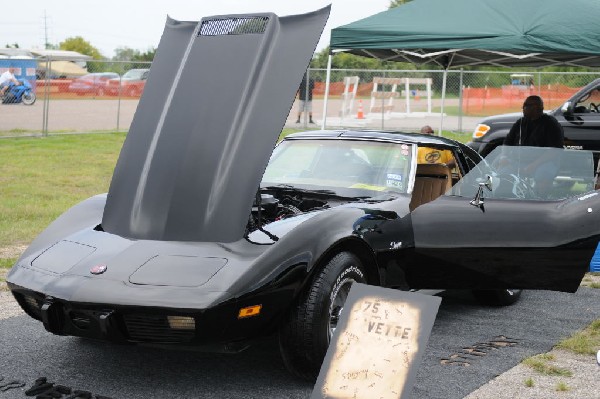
271,206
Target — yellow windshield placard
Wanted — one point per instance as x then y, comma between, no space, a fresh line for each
367,187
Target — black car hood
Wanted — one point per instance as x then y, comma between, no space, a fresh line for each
216,99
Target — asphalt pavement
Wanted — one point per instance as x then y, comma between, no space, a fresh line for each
469,345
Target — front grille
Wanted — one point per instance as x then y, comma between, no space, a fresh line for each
30,304
155,328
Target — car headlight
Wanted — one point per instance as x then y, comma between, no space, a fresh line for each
480,131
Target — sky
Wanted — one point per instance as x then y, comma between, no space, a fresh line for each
138,24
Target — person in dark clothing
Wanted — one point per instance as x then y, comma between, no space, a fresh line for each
305,103
537,129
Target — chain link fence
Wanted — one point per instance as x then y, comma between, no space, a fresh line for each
103,97
100,96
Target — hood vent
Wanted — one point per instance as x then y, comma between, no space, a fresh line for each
233,26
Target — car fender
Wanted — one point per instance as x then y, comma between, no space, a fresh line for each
302,249
84,214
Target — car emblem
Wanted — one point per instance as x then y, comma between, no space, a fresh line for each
98,269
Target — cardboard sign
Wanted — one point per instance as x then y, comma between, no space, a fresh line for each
377,345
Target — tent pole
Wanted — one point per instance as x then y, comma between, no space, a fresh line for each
328,76
444,78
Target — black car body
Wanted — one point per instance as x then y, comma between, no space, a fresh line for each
205,241
579,117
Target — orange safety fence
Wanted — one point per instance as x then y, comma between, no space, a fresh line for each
478,101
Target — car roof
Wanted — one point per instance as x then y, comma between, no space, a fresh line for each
378,135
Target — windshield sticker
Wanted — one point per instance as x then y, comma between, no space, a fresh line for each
394,180
404,147
367,187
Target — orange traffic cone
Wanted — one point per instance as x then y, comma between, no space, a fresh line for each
360,114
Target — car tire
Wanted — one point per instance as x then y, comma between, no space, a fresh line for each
307,330
497,297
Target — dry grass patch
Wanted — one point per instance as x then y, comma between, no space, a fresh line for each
585,342
541,364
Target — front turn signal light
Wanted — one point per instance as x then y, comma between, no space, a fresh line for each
480,131
249,311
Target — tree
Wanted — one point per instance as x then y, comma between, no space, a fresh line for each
80,45
129,54
124,54
148,55
396,3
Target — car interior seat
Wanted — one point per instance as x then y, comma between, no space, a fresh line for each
431,181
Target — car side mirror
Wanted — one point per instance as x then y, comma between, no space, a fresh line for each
567,108
478,201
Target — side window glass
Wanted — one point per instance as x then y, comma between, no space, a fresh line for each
589,102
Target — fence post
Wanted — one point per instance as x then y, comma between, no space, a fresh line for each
119,101
326,95
460,100
46,98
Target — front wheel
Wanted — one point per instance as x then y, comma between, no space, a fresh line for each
28,98
307,331
497,297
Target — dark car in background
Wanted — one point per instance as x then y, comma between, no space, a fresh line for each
131,84
579,117
93,83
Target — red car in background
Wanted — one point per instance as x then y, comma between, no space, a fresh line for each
92,83
131,84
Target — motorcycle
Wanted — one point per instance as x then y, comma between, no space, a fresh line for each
23,92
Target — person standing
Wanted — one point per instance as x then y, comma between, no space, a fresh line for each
535,128
538,129
305,94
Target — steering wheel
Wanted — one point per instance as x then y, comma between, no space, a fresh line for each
593,107
512,186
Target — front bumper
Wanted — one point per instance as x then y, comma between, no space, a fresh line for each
216,329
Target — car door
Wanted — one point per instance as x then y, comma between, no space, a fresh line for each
507,242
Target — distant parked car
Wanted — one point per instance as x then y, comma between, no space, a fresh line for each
93,83
131,84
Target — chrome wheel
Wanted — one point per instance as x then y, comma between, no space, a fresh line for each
338,298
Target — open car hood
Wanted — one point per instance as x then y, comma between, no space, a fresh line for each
216,99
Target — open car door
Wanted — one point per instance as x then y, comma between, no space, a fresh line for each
508,225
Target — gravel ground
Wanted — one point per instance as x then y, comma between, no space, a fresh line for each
585,382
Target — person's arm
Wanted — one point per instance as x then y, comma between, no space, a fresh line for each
554,133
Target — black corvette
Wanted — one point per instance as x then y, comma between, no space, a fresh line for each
205,241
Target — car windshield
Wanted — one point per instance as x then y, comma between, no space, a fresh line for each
530,173
343,167
134,74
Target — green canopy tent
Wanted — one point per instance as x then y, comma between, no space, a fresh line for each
456,33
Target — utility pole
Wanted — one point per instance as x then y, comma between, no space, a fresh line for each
46,44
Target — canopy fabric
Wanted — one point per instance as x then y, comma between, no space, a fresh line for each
514,33
64,68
